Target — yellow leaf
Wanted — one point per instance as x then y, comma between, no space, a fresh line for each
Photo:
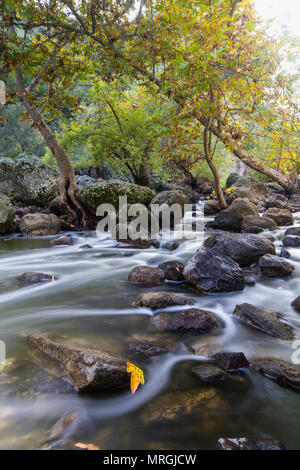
86,446
137,376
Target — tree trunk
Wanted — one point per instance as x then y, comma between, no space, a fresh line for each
209,158
142,175
67,183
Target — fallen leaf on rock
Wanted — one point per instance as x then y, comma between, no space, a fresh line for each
137,376
86,446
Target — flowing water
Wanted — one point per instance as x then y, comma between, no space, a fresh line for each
92,301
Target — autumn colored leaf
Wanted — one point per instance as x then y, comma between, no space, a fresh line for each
82,446
137,376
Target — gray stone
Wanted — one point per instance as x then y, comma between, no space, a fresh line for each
232,217
273,266
6,214
35,225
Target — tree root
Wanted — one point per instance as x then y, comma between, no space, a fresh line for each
68,189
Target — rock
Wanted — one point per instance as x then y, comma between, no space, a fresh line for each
268,322
210,373
192,320
294,203
37,277
250,221
255,230
232,179
275,187
244,249
28,179
56,207
294,231
6,214
108,192
170,198
232,217
142,242
89,368
273,368
141,346
62,430
211,272
65,240
170,246
296,303
285,253
249,188
173,270
291,241
36,225
211,207
281,216
249,443
146,275
160,320
273,266
275,200
85,247
156,300
84,180
231,361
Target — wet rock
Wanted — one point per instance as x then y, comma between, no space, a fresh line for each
108,192
285,253
268,322
232,179
160,320
85,247
143,242
275,187
65,240
275,200
146,275
292,231
249,443
211,272
250,188
210,373
294,203
274,368
89,368
273,266
292,241
6,215
35,225
231,218
173,270
281,216
296,303
28,179
156,300
141,346
211,207
255,230
56,207
211,225
170,197
244,249
37,277
265,223
170,246
62,430
231,361
192,320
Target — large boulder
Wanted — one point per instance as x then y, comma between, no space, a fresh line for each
232,179
28,179
36,225
108,192
273,266
211,207
269,323
284,372
251,221
231,218
192,320
6,215
294,231
282,217
89,368
170,197
209,271
249,188
245,249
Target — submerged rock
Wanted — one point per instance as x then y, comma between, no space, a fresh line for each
212,272
230,361
277,369
37,277
173,270
285,253
249,443
244,249
281,216
231,218
65,240
296,303
210,373
268,322
292,241
143,346
146,275
192,320
89,368
6,215
161,299
273,266
36,225
62,430
170,246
